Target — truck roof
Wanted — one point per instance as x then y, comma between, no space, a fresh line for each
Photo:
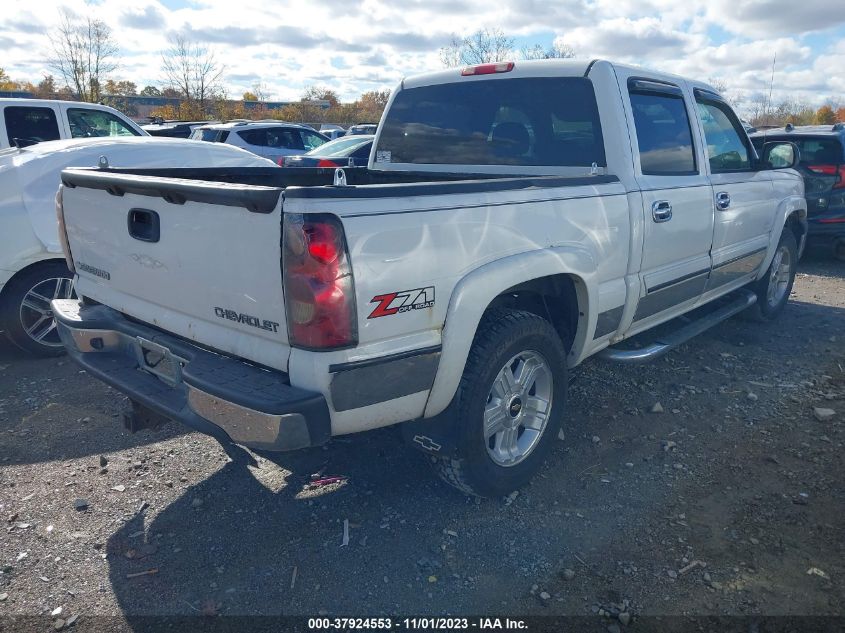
20,101
539,68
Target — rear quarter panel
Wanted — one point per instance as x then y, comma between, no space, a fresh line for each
425,246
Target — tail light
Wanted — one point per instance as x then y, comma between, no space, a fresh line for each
326,163
831,170
487,69
318,285
60,217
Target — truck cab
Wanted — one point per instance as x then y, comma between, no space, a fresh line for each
28,121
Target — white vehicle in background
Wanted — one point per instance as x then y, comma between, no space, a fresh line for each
29,121
332,131
270,139
32,267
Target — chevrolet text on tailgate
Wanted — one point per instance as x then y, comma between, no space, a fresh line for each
514,219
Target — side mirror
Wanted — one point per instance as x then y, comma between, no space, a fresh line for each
780,155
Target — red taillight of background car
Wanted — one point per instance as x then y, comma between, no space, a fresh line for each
831,170
323,162
318,285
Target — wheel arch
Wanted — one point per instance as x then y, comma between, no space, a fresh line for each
791,215
543,282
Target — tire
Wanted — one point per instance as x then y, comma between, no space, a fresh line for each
774,287
507,341
25,313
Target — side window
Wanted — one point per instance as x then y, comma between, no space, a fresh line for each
726,148
86,123
255,137
663,134
31,124
311,140
284,137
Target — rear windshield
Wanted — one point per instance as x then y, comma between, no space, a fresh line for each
535,121
814,151
343,146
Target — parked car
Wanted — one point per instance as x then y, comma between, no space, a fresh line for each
174,129
332,131
29,121
362,128
32,266
348,151
333,134
269,139
822,149
514,220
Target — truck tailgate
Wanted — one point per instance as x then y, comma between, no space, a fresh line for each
199,259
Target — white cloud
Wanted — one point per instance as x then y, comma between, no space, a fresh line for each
288,45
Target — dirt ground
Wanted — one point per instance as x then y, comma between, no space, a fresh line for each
728,502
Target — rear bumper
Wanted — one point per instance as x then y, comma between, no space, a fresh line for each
220,396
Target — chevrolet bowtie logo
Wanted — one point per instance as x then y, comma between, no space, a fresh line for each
427,443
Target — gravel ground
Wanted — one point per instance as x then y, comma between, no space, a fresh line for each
728,502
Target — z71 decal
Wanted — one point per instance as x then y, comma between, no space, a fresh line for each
402,301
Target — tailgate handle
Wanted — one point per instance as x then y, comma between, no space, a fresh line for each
144,225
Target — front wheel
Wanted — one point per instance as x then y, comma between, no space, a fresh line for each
774,287
509,404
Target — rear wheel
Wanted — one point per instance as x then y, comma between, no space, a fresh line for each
774,287
508,406
25,312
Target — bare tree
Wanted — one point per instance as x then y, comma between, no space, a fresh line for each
486,45
321,93
734,98
193,71
84,54
261,91
558,50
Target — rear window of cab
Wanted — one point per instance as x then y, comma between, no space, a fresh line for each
544,121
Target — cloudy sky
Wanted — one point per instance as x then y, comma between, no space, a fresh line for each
357,45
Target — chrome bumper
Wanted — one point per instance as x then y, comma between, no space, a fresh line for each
221,396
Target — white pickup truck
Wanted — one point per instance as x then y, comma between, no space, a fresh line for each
514,220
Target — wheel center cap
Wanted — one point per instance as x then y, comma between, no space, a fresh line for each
515,406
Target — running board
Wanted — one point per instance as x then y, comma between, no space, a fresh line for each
667,342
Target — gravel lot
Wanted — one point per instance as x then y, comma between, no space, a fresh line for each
729,501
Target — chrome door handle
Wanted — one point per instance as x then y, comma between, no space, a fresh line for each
723,200
661,211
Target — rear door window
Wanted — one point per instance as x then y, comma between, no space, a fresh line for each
254,137
30,124
663,131
549,121
85,123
